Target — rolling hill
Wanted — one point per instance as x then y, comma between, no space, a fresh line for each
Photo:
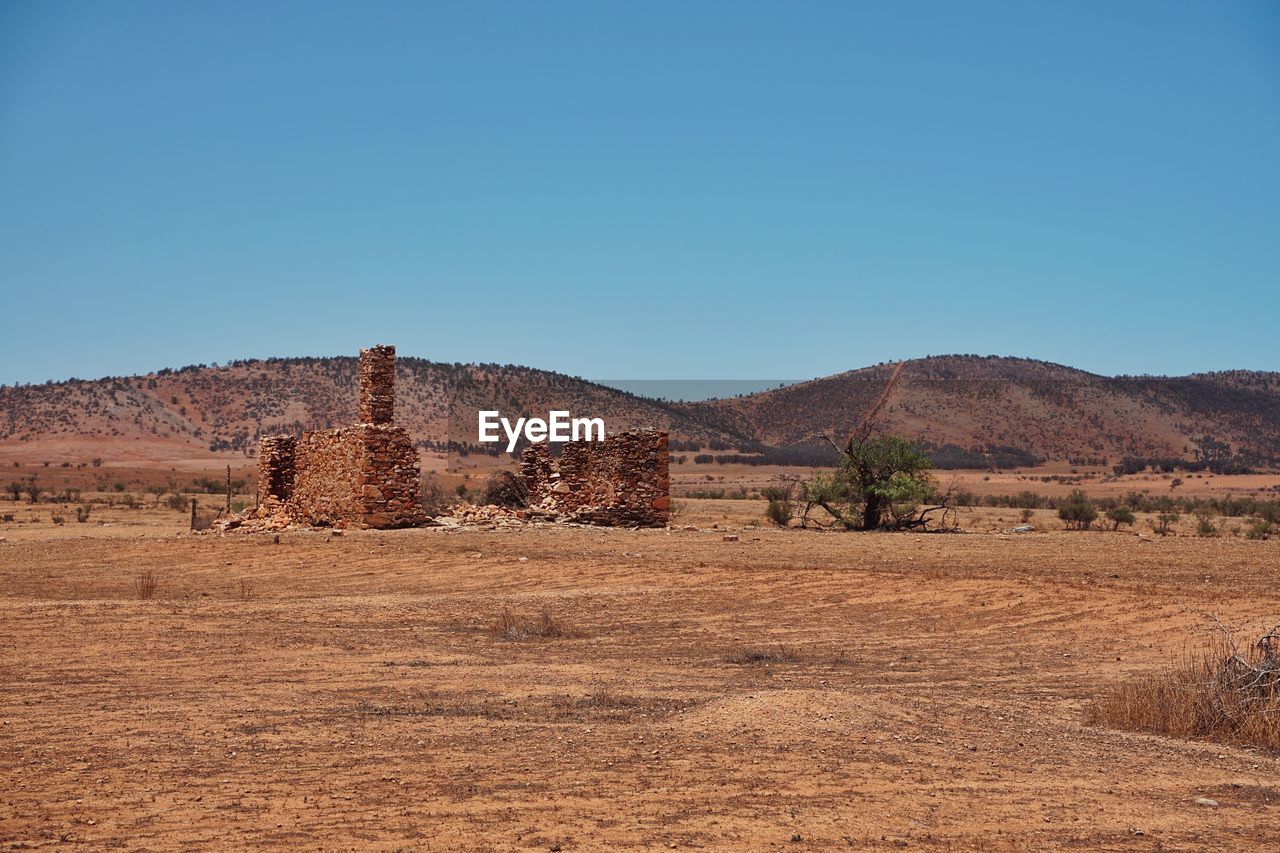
1029,409
1046,410
200,410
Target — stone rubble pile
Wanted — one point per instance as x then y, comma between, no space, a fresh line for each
464,515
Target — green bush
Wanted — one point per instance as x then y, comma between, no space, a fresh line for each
1205,525
1119,515
1078,511
1259,529
779,512
881,481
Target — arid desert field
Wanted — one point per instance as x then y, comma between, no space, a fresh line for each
718,684
463,427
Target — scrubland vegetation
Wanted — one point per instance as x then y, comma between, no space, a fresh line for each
1219,692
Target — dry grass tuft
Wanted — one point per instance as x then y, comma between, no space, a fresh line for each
1221,693
504,488
145,585
761,654
511,626
204,519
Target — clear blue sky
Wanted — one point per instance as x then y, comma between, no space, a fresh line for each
643,190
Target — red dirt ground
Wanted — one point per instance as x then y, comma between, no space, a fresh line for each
349,691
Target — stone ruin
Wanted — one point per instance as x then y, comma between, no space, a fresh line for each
367,474
623,481
364,475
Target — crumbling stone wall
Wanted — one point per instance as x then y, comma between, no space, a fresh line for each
366,474
276,455
325,486
623,481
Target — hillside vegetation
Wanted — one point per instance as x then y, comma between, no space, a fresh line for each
970,409
1020,406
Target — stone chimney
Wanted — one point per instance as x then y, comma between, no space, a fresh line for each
377,385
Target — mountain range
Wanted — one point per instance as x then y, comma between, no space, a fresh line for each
977,404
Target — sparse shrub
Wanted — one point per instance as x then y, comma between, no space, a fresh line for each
214,486
779,512
1119,516
1162,522
705,494
246,589
1078,511
15,490
178,503
204,519
58,519
1026,515
1030,500
762,654
1259,529
145,585
1205,525
82,513
510,626
434,500
460,490
8,516
504,488
1221,693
